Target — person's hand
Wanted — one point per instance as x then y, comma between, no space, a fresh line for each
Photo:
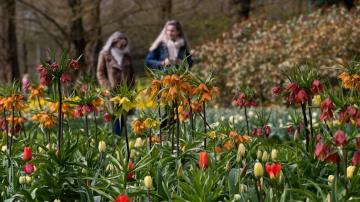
166,62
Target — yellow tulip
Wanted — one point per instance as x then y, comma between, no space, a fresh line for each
258,169
330,179
102,146
241,152
148,183
274,154
350,171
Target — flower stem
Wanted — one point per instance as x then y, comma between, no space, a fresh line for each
12,128
204,118
177,130
191,119
247,121
345,170
303,108
159,113
258,193
96,128
126,136
150,139
87,128
59,116
6,128
310,117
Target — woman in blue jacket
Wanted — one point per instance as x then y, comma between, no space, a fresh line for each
170,48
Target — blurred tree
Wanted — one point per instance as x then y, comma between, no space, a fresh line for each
240,9
9,41
166,7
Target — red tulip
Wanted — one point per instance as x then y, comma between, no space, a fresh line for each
54,66
74,64
317,87
27,155
351,110
301,97
42,70
333,158
257,132
267,130
203,160
273,170
293,88
327,108
321,150
121,198
131,167
107,117
65,77
340,138
276,90
45,79
29,168
356,158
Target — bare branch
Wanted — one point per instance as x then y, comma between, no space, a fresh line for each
46,16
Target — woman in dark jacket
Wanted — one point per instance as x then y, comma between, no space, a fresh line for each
170,48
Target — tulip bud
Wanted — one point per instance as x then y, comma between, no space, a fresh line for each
28,179
259,154
179,170
148,182
41,150
132,154
265,156
22,179
330,179
241,152
4,148
109,167
102,146
237,197
49,146
274,154
131,144
350,171
258,169
138,143
57,200
27,154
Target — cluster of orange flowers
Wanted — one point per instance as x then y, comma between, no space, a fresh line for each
9,102
36,92
18,121
45,119
65,108
350,81
229,144
140,126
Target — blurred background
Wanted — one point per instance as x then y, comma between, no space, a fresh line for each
247,42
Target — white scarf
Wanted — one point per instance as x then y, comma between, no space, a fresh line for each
173,47
118,54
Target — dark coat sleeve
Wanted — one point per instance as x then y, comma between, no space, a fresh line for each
153,59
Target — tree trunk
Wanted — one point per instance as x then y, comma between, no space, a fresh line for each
166,7
94,46
11,69
240,9
77,33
